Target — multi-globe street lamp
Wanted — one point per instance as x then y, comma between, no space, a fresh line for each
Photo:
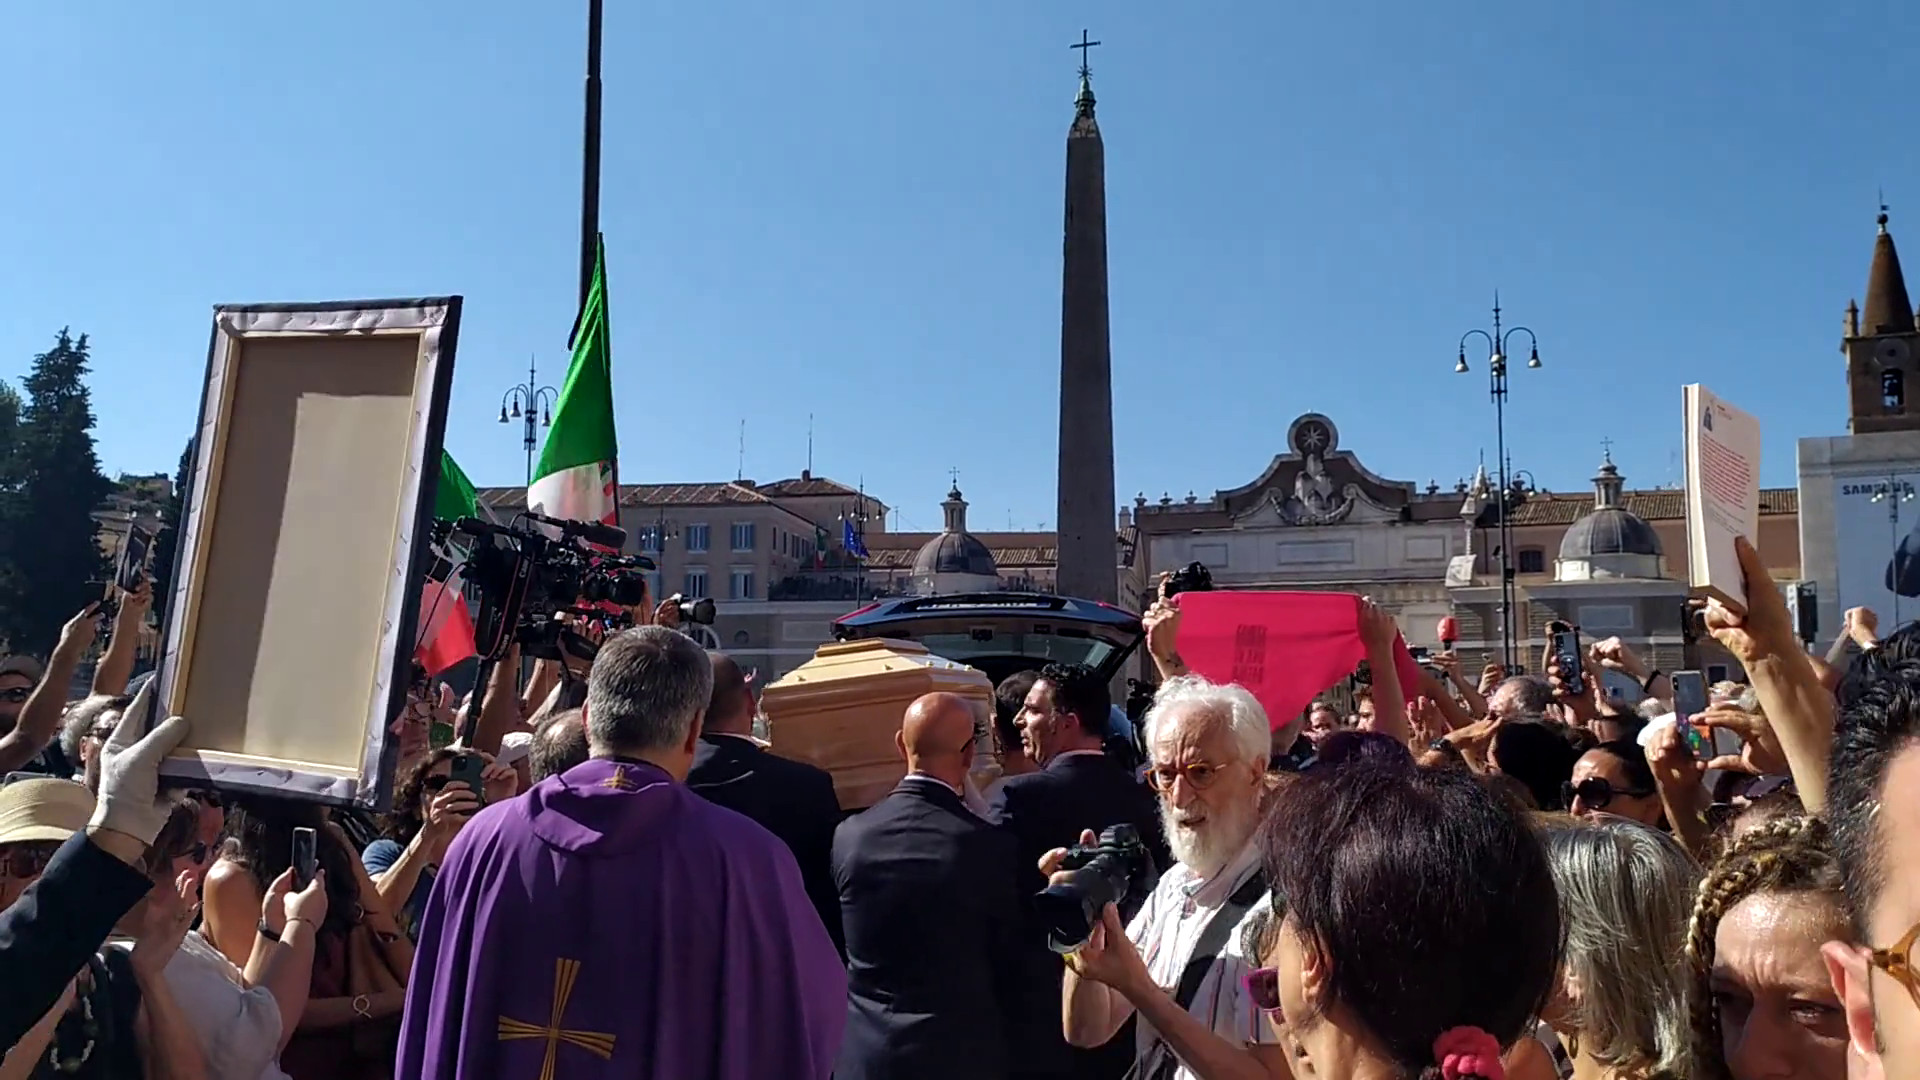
1497,353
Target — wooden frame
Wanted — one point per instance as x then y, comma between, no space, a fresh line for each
304,535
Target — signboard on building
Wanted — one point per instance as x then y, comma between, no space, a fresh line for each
1877,540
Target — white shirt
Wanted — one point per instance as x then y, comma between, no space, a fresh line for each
1167,928
239,1028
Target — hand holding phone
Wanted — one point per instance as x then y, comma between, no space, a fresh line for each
467,769
1689,701
1566,657
306,858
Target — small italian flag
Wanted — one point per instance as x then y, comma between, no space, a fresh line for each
575,479
446,625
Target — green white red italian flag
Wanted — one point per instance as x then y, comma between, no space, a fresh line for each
576,479
446,625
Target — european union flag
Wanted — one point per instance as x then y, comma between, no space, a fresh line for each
851,540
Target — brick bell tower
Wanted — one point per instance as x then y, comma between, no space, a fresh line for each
1088,542
1882,347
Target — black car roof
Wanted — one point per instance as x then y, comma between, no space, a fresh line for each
993,603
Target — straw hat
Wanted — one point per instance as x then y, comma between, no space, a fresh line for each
43,808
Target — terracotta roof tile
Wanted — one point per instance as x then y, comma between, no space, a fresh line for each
801,486
719,494
1649,505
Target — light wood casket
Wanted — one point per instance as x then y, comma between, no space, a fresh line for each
841,710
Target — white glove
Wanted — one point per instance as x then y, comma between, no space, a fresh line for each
130,801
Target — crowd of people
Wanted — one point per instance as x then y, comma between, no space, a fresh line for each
1525,876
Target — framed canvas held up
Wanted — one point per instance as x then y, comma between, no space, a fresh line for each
303,537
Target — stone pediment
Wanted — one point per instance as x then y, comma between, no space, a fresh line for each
1316,483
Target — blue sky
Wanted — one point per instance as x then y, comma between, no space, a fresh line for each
852,210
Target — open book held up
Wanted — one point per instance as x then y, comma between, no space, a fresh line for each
1723,492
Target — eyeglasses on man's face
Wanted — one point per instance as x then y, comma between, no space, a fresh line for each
1200,775
1897,962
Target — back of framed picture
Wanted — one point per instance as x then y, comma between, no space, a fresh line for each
302,543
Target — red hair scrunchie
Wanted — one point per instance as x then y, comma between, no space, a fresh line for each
1468,1051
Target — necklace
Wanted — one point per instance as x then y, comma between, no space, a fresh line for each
89,1029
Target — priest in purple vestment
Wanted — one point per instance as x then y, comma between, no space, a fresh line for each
612,923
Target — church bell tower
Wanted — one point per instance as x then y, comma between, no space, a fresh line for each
1088,542
1882,347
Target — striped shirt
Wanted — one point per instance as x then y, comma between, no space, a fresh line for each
1167,928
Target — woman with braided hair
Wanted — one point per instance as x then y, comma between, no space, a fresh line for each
1763,1004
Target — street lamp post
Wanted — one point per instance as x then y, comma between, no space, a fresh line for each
1497,340
532,404
1895,492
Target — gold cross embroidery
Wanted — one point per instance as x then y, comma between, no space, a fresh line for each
618,781
593,1042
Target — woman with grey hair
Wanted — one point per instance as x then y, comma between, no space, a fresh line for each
1626,893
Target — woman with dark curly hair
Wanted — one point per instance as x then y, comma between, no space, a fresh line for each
1763,1004
429,807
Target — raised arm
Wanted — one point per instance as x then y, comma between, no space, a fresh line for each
111,675
39,719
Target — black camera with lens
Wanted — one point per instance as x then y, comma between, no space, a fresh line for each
1109,871
694,611
1193,577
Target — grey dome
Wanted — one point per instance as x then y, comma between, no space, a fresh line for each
1609,530
954,553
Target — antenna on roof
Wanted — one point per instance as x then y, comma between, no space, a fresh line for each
809,444
740,466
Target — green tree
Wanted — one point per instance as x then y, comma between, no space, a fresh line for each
164,545
54,562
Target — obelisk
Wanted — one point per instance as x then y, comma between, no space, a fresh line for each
1088,544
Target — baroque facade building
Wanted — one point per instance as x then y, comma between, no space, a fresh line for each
1612,561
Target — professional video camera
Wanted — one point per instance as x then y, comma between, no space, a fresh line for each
1108,872
528,578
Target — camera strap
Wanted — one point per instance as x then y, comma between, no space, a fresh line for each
1159,1062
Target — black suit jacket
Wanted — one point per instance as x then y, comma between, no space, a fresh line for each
933,925
55,927
790,799
1046,810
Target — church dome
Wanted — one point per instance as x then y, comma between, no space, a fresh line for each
955,560
1613,530
954,553
1609,541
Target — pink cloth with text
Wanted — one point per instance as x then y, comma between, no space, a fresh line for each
1285,647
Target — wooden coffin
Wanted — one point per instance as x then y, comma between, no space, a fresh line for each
841,710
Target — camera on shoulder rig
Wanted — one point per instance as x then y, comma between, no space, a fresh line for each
1110,871
534,569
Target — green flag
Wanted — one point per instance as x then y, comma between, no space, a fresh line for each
574,480
455,497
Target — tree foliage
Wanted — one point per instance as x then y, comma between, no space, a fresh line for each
164,546
51,562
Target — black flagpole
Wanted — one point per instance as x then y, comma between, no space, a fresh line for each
590,156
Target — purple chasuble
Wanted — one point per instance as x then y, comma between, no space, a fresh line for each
612,923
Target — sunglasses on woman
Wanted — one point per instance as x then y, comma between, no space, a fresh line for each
1596,792
1263,988
23,861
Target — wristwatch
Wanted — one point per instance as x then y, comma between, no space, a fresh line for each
267,932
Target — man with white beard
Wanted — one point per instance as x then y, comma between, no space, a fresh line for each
1179,965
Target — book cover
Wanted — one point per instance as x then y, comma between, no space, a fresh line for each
1723,492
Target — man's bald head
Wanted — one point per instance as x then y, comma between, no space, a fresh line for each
730,710
937,737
